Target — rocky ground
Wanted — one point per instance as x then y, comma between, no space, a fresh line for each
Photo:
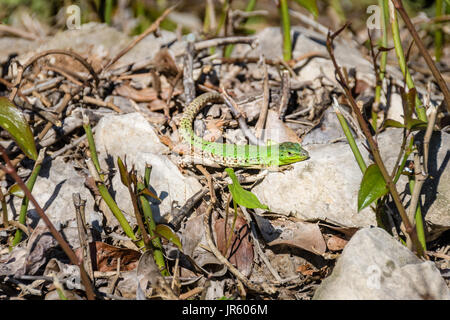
311,243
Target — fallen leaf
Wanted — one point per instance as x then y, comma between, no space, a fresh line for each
347,231
14,262
360,86
104,257
144,95
39,245
240,251
147,272
304,235
165,63
157,105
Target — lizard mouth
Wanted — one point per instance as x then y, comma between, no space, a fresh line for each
295,158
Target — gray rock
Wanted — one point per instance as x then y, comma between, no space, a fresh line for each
56,183
99,39
127,134
395,111
322,187
373,265
328,131
90,37
305,41
11,45
326,185
132,136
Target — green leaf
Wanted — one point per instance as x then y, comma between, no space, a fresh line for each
165,232
393,123
309,5
416,124
13,121
123,172
17,191
241,196
372,187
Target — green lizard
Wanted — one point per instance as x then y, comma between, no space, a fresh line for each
232,155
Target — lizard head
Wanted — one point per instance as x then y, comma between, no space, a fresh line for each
291,152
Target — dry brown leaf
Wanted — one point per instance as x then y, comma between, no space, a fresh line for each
303,235
360,86
347,231
144,95
165,64
104,257
240,252
39,245
335,243
157,105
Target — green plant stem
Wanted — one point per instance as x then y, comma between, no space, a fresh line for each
233,224
384,40
402,61
25,201
156,241
112,205
438,34
207,18
350,139
418,219
95,171
229,48
336,5
424,52
222,21
92,148
405,158
223,16
410,230
250,7
383,4
151,225
108,11
286,26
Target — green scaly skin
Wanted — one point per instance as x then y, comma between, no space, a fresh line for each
232,155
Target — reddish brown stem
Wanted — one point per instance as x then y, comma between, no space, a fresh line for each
373,145
9,169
